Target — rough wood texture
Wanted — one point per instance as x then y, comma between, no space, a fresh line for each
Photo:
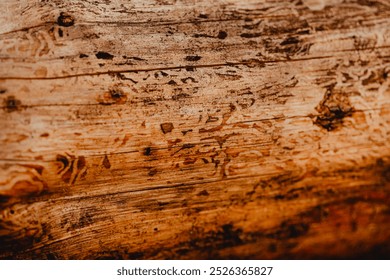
152,129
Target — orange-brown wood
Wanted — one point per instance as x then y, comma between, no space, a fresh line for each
194,129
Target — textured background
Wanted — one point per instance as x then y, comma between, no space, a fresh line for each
194,129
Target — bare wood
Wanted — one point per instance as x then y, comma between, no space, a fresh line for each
169,129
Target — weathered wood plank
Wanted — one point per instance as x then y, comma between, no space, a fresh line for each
142,221
195,129
260,31
253,99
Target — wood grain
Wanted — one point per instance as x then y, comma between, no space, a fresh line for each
183,129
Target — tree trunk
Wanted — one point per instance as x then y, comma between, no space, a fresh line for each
181,129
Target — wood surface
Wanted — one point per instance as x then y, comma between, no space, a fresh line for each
183,129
